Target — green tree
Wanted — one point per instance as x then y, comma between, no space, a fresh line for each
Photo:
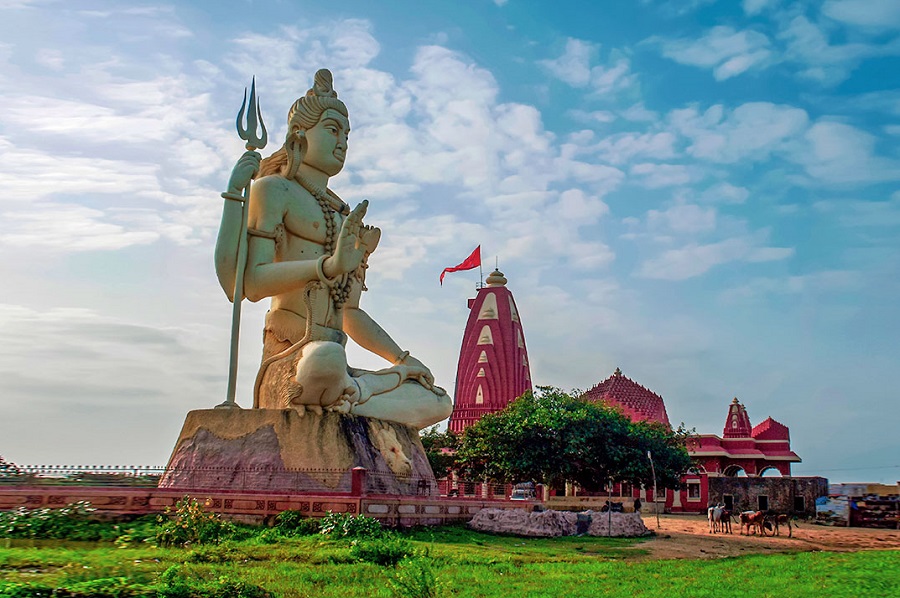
551,437
440,448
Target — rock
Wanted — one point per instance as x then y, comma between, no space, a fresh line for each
520,522
622,524
545,524
281,450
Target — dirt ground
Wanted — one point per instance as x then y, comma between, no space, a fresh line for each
688,537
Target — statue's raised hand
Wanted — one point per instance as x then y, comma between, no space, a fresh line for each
349,249
418,371
244,171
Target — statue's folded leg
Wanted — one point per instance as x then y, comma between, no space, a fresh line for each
317,377
409,403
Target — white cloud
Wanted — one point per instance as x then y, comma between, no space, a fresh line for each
574,204
68,228
755,7
726,51
725,193
814,284
696,259
868,214
834,152
593,116
750,131
574,67
677,8
875,14
683,219
50,58
624,147
655,176
821,61
639,113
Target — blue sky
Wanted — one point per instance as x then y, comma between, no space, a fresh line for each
702,193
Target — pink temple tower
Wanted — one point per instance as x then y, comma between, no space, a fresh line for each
493,364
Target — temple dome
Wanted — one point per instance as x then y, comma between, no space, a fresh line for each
636,401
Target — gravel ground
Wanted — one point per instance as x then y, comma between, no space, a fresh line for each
688,537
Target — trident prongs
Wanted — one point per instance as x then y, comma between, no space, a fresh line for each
254,121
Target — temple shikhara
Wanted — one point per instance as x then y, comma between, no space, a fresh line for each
493,364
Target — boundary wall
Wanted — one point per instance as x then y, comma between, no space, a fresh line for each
258,507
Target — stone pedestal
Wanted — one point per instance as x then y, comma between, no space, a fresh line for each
282,451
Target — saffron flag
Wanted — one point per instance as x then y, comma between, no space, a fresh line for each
473,261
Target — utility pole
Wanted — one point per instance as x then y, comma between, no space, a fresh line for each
655,499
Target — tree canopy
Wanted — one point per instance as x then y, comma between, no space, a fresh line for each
551,437
440,448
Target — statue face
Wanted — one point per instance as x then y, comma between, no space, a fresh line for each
326,143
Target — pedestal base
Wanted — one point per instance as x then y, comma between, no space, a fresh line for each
280,450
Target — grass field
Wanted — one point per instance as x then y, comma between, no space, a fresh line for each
462,563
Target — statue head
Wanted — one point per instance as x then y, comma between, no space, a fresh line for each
320,104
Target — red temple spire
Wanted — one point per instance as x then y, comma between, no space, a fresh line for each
493,364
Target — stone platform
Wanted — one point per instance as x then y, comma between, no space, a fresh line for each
267,450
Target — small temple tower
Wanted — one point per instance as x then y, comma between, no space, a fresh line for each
744,447
493,364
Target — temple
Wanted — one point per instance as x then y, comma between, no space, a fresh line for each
735,468
637,402
742,447
493,364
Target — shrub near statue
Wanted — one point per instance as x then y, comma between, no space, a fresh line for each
309,252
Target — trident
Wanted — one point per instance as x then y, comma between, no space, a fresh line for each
248,134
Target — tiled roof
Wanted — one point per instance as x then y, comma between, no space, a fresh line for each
638,403
769,429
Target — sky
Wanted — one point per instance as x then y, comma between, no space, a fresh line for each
705,194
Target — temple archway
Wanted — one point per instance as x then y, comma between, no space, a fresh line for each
735,471
770,472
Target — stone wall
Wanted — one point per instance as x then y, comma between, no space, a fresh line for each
257,507
780,493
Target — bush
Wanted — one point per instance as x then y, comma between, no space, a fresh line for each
190,524
415,578
107,587
72,522
269,536
345,525
24,590
174,585
386,551
295,523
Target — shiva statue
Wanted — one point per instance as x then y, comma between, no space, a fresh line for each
309,252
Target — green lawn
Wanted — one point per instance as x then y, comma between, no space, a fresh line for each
464,563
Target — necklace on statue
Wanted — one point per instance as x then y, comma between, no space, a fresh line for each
340,290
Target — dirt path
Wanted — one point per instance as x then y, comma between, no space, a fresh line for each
688,537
